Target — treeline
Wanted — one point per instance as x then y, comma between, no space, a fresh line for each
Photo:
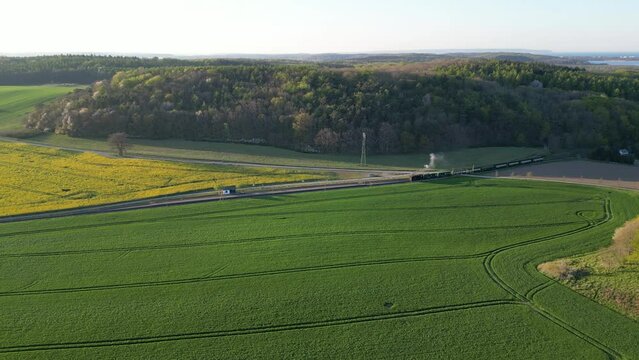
567,78
311,108
86,69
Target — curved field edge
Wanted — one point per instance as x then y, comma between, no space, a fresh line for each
518,267
608,276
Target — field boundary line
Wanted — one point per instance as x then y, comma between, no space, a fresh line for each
257,330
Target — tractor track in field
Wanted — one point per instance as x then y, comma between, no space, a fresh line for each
256,330
530,294
240,275
202,214
279,238
528,297
488,266
488,258
610,352
485,255
410,208
222,215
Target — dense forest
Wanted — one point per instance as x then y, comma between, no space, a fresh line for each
315,108
624,85
85,69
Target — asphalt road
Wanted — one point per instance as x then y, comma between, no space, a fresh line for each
208,196
369,177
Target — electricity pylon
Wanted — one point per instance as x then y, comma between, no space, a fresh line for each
362,160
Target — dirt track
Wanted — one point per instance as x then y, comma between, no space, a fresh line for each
372,171
579,172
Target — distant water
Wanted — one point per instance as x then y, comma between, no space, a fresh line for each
608,55
616,62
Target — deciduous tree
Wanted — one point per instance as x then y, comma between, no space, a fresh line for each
120,142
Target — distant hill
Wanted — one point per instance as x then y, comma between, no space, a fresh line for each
312,107
401,57
85,69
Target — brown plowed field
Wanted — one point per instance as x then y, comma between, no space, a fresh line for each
579,171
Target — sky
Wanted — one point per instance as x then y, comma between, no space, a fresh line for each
198,27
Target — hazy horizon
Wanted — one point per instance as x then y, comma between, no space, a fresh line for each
248,55
198,27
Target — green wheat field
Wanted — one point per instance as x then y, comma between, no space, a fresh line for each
432,270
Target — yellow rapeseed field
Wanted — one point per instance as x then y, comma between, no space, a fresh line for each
37,179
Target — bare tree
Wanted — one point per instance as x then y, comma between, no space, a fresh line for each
327,140
388,138
120,142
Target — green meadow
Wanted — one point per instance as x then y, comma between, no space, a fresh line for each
435,270
17,101
230,152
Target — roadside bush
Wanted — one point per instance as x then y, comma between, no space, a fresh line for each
562,270
609,154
